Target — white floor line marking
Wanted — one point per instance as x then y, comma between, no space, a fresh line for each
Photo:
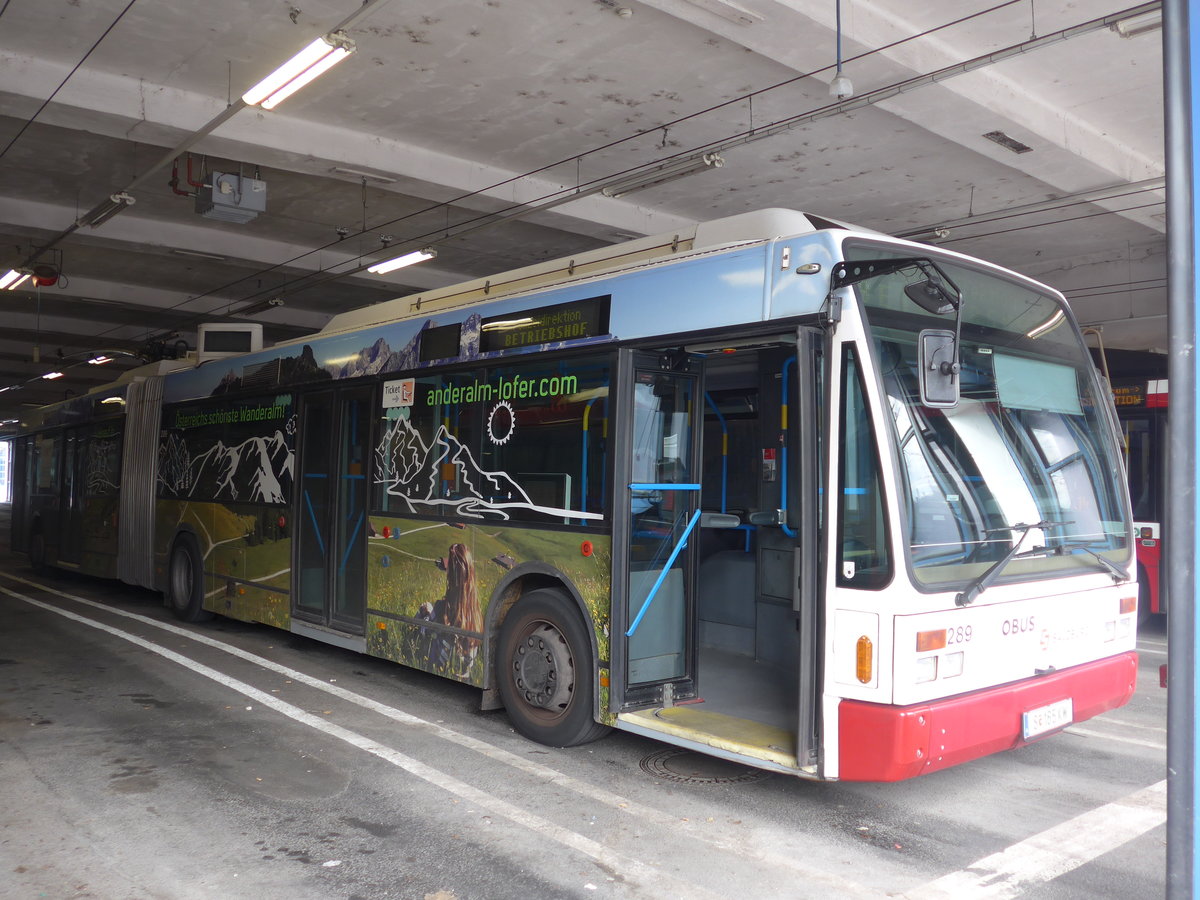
1145,651
1087,732
1107,719
748,846
651,877
1054,852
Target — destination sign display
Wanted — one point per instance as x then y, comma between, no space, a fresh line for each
545,325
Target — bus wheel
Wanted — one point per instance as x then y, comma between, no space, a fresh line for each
185,581
37,552
545,672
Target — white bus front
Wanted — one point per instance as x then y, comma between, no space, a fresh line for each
981,592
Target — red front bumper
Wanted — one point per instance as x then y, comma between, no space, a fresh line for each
891,743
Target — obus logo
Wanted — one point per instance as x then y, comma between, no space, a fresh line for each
1016,626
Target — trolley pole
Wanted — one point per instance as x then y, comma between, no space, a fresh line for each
1181,55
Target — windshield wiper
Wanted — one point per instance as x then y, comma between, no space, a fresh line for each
984,581
1118,574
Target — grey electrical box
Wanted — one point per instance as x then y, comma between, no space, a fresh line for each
231,198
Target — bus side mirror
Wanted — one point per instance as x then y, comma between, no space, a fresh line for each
938,364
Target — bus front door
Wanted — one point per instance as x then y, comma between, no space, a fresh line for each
658,515
331,513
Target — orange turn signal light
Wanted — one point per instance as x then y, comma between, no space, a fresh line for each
864,654
1128,605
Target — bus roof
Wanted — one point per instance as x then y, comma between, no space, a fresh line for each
731,231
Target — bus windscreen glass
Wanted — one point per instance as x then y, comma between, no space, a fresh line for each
1027,442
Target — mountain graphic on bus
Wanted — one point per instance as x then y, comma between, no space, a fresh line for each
259,469
412,471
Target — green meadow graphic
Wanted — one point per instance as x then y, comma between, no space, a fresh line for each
421,601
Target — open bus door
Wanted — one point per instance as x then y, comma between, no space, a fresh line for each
657,512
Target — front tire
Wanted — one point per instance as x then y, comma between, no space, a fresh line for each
545,671
185,581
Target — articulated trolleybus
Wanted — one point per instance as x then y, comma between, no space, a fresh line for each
804,497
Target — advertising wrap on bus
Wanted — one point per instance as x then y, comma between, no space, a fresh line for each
770,488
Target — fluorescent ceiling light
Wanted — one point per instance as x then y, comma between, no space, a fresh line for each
408,259
120,400
661,174
318,57
358,173
50,376
198,254
99,360
1007,142
12,279
106,210
731,12
1141,24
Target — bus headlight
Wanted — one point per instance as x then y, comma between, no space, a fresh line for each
927,667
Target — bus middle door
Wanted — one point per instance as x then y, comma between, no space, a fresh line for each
332,491
70,506
658,510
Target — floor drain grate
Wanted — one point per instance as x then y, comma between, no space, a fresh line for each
686,767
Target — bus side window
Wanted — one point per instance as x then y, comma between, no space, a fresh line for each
46,460
863,558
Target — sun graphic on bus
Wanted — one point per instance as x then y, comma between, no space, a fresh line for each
502,422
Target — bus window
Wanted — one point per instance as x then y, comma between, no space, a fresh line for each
425,457
45,463
863,559
534,431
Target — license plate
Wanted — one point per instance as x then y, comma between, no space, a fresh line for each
1046,718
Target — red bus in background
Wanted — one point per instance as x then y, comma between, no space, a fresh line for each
1142,411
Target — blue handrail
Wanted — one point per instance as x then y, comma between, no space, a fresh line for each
663,574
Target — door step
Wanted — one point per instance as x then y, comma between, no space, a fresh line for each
699,727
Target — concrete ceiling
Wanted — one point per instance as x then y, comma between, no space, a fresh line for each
464,111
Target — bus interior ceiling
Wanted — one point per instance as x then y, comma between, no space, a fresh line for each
747,626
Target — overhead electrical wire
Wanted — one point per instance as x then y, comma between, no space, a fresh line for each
576,157
312,280
63,83
1017,228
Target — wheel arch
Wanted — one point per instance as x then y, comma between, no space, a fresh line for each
518,582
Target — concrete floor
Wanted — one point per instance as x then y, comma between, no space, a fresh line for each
141,759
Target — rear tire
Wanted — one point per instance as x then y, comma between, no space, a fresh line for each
185,581
545,672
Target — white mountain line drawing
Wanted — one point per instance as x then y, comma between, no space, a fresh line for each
410,470
101,452
253,470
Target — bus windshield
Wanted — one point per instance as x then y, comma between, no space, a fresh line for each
1027,453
